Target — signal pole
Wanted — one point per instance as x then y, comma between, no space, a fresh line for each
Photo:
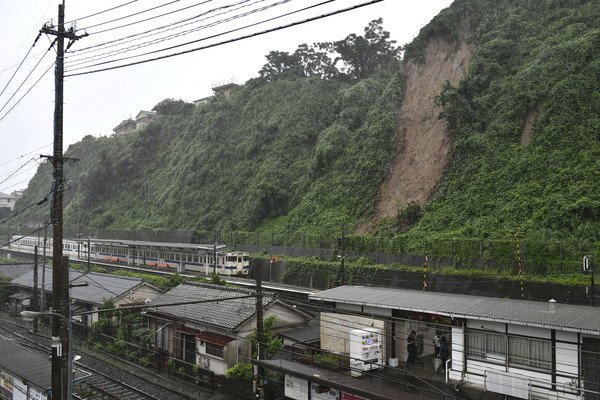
61,387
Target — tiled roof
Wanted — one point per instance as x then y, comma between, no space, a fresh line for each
100,286
303,335
521,312
227,315
15,270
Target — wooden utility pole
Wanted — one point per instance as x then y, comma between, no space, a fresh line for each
60,269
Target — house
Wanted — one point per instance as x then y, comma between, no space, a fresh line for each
14,302
89,290
143,118
27,375
8,200
224,88
518,348
125,127
14,270
213,333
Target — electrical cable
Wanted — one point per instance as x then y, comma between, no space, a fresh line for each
26,93
100,12
210,37
11,174
297,23
21,63
22,83
159,30
26,154
141,12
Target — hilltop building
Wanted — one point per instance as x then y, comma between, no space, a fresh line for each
220,89
125,127
9,200
142,119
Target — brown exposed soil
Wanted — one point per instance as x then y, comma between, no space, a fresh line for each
526,135
426,147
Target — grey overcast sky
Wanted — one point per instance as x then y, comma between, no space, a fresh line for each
95,103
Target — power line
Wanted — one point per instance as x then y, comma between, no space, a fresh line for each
26,154
27,92
21,63
223,42
25,80
15,171
138,13
147,19
101,12
210,37
165,28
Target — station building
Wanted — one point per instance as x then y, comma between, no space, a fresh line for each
516,348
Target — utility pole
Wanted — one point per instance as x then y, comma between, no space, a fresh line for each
260,371
36,304
43,291
342,257
60,269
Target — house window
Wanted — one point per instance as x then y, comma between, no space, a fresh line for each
162,338
214,350
486,346
521,351
528,352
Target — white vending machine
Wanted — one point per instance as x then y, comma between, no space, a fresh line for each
365,350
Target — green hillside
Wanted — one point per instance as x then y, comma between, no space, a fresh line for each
305,146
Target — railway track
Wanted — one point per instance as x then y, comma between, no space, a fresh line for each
102,386
106,381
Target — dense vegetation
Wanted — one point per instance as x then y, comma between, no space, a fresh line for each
305,146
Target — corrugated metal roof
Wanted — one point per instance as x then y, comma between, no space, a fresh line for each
32,367
26,365
520,312
228,315
100,286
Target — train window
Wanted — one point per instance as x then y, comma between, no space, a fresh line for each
195,259
231,258
246,258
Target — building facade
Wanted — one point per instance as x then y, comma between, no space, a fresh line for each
516,348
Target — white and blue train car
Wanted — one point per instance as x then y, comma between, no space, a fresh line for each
181,257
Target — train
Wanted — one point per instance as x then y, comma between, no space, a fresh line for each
180,257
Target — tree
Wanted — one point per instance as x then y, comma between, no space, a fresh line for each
173,107
368,54
271,341
315,62
280,63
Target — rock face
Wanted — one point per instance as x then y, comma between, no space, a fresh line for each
426,145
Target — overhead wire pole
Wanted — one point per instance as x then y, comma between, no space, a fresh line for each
61,387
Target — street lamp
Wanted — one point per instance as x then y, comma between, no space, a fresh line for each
30,315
